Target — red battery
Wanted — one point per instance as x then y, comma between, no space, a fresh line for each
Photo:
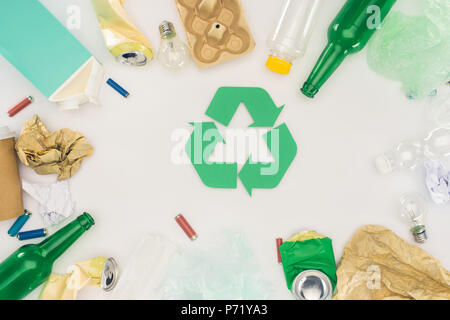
279,243
182,222
20,106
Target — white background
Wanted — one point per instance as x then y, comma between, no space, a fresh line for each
131,186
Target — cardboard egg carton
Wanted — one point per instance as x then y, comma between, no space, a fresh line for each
217,30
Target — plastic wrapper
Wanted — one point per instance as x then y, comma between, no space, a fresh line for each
55,200
225,271
308,251
60,152
414,49
377,264
146,269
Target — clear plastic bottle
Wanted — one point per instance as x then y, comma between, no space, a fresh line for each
290,38
407,155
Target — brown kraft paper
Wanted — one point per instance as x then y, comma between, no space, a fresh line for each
11,204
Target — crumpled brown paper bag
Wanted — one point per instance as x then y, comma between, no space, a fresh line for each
60,152
377,264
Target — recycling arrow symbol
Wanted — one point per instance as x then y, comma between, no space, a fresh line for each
206,136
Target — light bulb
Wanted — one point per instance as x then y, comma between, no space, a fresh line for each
414,210
173,53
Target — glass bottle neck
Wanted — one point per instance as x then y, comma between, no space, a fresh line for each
329,61
55,245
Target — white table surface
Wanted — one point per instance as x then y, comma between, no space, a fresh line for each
131,186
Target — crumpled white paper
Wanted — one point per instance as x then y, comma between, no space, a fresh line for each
55,199
437,181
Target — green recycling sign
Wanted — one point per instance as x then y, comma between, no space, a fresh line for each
206,136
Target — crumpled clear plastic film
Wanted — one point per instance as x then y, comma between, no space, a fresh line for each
146,269
227,270
414,50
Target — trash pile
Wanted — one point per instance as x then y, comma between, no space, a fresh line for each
376,263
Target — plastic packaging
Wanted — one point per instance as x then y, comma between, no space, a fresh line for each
290,39
414,50
348,33
407,155
227,270
146,269
438,107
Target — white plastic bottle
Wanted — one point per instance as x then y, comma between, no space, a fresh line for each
407,155
291,36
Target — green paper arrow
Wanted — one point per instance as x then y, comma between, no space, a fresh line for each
268,175
257,101
199,149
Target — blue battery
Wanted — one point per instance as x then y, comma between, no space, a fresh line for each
32,234
19,223
118,88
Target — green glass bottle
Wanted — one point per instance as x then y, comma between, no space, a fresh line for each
30,265
348,33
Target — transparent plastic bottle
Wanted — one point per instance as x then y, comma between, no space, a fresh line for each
407,155
292,33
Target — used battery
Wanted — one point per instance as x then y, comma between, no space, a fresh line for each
182,222
19,223
32,234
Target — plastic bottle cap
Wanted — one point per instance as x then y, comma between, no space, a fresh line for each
383,164
278,65
5,133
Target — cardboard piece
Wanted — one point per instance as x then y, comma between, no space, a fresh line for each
216,30
11,204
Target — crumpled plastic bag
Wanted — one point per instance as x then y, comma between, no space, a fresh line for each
146,269
60,152
414,49
55,200
226,271
437,181
377,265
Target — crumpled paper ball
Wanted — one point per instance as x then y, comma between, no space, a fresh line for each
60,152
437,181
